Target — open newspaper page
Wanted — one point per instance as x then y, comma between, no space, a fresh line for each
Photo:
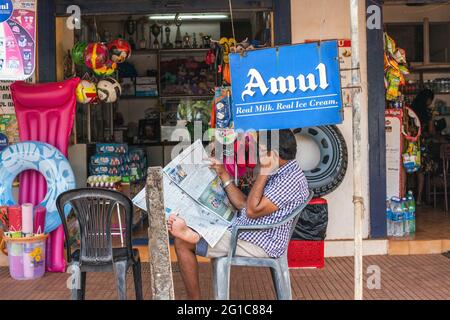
194,192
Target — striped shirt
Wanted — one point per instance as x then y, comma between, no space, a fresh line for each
287,189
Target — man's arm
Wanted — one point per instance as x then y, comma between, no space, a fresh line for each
257,205
237,198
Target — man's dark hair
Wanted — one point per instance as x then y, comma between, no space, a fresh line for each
287,146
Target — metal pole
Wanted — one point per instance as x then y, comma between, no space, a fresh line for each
89,137
358,200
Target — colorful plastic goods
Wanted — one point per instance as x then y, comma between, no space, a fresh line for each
108,90
39,220
120,50
86,92
77,53
15,218
27,218
45,159
96,55
27,257
45,113
107,70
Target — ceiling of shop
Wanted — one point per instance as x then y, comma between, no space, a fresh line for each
158,6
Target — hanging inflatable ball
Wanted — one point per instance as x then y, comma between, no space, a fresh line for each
96,55
108,90
78,52
107,70
120,50
86,92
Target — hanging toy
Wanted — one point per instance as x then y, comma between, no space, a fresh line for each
108,90
107,70
227,44
86,92
412,156
77,53
96,55
222,102
120,50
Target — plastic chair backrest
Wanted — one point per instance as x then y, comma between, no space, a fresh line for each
93,209
299,210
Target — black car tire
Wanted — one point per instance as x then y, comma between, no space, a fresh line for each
330,171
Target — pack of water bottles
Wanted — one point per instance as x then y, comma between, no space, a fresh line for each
401,216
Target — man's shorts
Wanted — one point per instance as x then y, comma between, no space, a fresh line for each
243,248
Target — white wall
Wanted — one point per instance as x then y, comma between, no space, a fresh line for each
330,19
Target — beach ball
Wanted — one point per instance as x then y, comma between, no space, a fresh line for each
108,90
120,50
78,52
96,55
86,92
107,70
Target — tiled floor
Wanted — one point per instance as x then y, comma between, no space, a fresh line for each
402,277
432,224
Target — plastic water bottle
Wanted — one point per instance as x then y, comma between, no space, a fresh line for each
397,217
389,217
412,213
405,208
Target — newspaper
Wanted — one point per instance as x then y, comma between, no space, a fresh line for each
194,192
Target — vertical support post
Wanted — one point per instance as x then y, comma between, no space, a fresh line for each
358,200
158,238
426,41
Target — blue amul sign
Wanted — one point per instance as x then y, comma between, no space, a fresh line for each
6,10
287,87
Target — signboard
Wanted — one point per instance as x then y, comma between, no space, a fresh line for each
394,147
17,39
287,87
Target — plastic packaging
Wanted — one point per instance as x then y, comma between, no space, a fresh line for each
313,221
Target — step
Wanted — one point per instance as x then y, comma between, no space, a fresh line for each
410,247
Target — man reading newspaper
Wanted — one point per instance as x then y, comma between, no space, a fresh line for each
279,189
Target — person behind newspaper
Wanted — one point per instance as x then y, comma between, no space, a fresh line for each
279,188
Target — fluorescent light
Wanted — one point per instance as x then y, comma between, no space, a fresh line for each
189,17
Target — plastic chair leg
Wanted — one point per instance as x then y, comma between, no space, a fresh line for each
120,271
281,281
221,283
78,292
137,280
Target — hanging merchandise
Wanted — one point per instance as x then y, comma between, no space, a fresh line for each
395,68
77,53
107,70
412,130
227,44
96,55
120,50
86,92
222,103
108,90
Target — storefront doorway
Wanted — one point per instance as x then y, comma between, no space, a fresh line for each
422,32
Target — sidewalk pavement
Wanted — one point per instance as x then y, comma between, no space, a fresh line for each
402,277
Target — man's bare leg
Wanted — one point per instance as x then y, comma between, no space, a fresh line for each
188,267
185,240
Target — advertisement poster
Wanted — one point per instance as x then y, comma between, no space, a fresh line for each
287,87
394,149
17,39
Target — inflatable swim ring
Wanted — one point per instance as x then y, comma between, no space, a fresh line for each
47,160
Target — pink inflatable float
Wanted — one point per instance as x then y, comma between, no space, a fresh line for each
45,113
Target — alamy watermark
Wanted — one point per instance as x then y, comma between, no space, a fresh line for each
74,20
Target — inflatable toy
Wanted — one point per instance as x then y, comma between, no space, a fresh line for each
47,160
107,70
120,50
77,53
86,92
45,113
96,55
108,90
